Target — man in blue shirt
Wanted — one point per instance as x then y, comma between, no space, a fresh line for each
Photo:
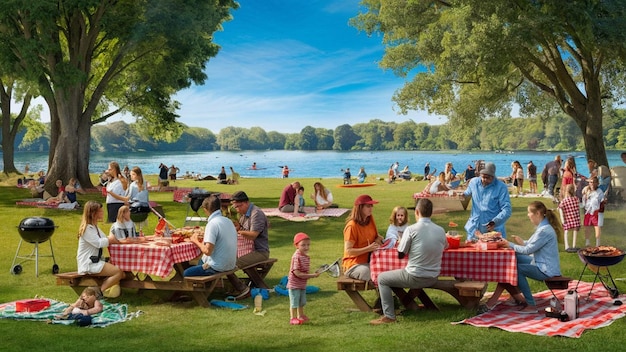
491,205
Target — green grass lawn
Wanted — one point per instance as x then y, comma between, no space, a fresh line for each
334,326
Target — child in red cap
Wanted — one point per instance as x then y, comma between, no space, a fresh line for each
298,276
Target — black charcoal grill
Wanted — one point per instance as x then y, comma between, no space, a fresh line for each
139,211
197,196
600,265
34,230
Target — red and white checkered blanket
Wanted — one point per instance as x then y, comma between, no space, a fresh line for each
309,212
596,312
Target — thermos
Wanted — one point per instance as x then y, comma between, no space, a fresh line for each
571,304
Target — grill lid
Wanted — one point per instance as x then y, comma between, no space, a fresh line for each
36,222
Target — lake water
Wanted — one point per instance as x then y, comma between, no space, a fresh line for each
310,164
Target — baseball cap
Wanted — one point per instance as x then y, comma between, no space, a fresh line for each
239,196
489,169
299,237
364,199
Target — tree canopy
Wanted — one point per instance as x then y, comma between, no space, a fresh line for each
472,60
92,59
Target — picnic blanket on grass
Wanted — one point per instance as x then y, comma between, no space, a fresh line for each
36,202
111,314
309,213
597,312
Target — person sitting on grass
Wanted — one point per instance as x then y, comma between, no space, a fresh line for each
85,306
439,185
299,202
322,196
60,196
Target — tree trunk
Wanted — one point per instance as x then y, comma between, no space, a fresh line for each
8,140
589,120
83,149
8,150
594,143
64,156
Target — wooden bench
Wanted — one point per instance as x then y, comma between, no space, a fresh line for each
353,287
258,271
467,293
200,287
203,286
79,281
557,283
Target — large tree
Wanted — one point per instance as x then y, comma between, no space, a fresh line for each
476,59
96,58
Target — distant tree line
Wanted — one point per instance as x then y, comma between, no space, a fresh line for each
554,133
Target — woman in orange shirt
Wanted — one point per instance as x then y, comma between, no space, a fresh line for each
360,237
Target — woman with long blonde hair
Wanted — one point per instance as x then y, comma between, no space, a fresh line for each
322,196
91,241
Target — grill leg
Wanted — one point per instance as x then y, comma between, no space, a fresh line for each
36,259
16,254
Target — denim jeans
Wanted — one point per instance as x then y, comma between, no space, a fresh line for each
197,270
552,179
527,269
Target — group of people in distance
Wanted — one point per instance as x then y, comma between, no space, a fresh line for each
292,198
223,179
65,196
347,176
393,174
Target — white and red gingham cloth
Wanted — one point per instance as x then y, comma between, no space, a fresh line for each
596,310
244,246
150,258
468,263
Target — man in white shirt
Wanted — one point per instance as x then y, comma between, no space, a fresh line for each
424,243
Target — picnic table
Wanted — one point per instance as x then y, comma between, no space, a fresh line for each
468,267
150,266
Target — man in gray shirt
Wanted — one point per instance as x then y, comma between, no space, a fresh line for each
424,243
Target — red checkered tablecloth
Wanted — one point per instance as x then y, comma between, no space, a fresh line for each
244,246
468,263
150,258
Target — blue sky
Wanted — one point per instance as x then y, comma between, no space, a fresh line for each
285,64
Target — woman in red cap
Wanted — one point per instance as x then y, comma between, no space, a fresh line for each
360,237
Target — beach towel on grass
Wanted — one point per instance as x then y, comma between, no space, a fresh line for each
112,313
597,312
36,202
309,213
